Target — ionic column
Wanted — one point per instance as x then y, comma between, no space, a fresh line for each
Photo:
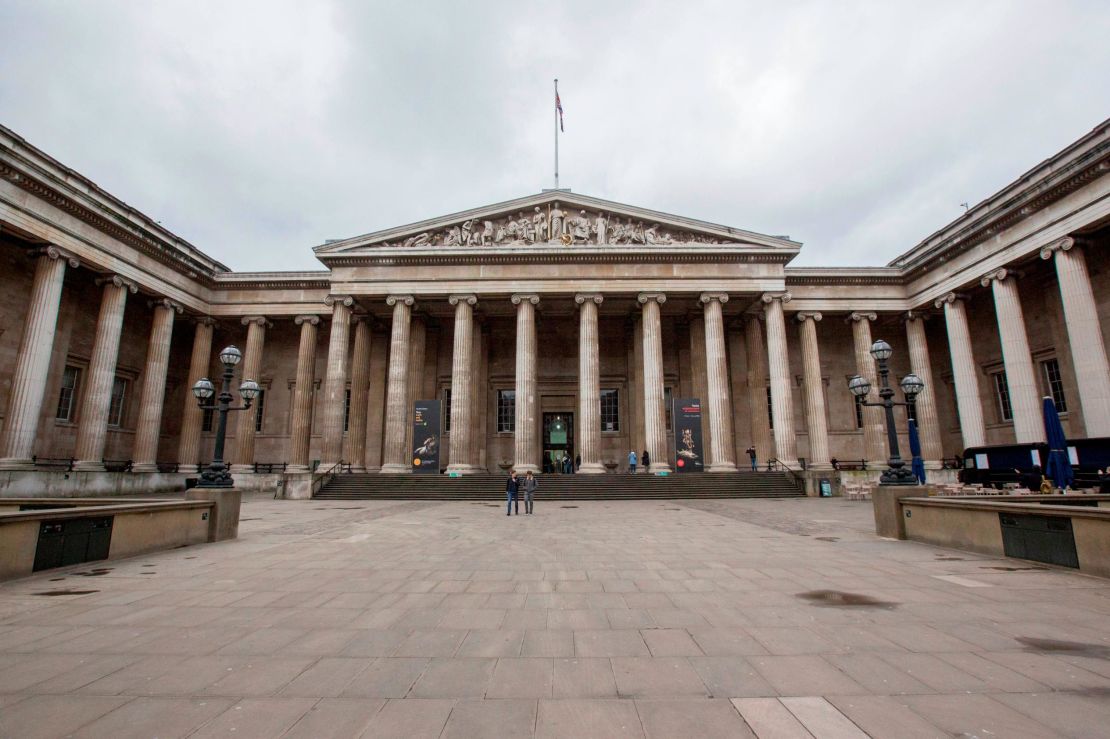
300,432
874,423
243,458
928,427
1088,352
17,445
755,349
964,373
524,436
1025,399
461,378
478,414
360,392
188,446
782,400
149,428
814,390
589,383
335,384
394,454
722,454
92,424
655,419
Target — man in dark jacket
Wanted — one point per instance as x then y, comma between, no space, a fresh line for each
511,487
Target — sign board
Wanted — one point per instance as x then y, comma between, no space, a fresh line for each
1035,456
425,437
686,418
825,487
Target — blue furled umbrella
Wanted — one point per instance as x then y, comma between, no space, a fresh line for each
1058,469
918,466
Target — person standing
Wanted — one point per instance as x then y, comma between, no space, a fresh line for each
529,488
577,462
511,488
645,460
751,456
632,461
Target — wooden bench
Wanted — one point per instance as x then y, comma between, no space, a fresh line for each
850,464
54,463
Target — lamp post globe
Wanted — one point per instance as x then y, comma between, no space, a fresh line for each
217,474
912,385
231,356
859,386
203,389
881,350
248,390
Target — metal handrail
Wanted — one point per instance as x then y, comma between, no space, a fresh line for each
798,480
320,479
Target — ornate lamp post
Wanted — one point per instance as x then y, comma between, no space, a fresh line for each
897,474
217,475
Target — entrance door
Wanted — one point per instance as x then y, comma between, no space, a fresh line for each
558,440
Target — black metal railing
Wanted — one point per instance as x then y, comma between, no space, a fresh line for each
54,463
117,465
269,468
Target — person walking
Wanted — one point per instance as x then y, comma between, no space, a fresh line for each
511,488
529,488
577,462
751,456
632,461
645,460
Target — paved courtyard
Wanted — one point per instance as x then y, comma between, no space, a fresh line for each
659,619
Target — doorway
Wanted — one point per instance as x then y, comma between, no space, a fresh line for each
558,439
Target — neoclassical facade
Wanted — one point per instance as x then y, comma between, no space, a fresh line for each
555,323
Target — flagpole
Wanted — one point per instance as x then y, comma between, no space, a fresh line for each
556,135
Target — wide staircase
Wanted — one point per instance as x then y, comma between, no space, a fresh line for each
623,486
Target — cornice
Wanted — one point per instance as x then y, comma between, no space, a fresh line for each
393,257
315,279
844,276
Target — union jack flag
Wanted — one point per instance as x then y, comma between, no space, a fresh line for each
559,107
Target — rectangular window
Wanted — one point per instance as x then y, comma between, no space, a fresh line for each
859,411
1054,385
446,410
207,420
610,411
347,410
770,411
67,396
506,411
259,406
668,401
1002,390
115,408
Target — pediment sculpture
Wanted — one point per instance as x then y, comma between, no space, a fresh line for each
552,225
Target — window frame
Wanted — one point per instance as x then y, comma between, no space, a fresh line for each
74,392
445,400
1002,396
1054,388
505,411
120,415
614,409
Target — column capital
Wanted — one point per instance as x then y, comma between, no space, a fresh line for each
366,318
312,320
948,298
856,316
581,298
519,298
467,298
1000,275
55,252
1059,245
166,303
803,316
916,315
204,321
721,298
392,300
118,281
256,320
657,297
345,300
783,297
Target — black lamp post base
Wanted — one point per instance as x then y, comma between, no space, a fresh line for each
897,476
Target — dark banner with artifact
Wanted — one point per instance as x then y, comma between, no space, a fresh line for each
687,435
425,436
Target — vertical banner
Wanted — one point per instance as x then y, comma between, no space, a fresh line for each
686,418
425,436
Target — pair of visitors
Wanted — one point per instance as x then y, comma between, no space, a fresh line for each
632,461
752,457
513,487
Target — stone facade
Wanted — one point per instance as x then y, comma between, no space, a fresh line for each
576,308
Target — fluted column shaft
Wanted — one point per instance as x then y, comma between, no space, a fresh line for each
1088,351
655,419
722,452
21,422
461,379
928,425
92,424
1021,379
301,425
188,446
149,428
589,384
814,390
335,384
964,373
760,428
782,399
524,435
243,458
874,421
394,454
360,391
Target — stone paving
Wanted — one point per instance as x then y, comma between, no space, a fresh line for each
765,618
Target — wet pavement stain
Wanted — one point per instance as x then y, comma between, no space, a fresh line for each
1012,569
1082,649
840,599
828,538
51,593
949,559
98,572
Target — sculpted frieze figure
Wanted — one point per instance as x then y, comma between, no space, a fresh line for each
600,228
557,223
580,228
539,223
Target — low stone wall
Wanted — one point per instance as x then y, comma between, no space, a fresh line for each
62,484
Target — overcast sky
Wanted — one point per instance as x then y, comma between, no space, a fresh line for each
257,130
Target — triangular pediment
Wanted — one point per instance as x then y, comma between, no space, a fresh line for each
552,218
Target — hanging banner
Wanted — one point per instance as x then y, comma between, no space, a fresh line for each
686,417
425,437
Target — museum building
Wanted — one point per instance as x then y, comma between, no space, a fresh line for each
554,324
